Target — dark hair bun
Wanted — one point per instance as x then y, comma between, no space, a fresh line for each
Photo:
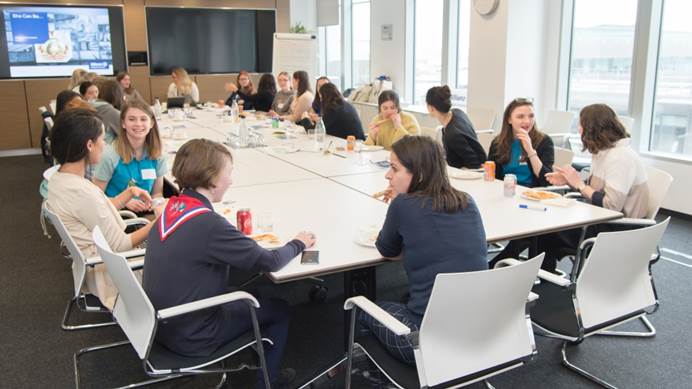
439,97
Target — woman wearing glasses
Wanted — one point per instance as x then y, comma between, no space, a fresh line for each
460,141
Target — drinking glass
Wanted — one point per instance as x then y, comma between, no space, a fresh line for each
265,222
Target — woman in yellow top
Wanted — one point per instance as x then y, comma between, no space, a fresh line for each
390,124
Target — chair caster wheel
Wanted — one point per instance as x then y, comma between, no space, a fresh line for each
318,294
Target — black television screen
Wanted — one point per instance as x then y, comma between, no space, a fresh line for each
52,41
206,41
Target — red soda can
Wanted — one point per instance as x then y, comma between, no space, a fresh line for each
489,168
244,221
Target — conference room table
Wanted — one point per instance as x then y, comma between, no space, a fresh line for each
302,188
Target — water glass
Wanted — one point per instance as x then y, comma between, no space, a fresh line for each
265,222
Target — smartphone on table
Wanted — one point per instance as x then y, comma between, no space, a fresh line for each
310,257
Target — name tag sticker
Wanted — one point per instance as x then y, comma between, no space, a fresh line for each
148,174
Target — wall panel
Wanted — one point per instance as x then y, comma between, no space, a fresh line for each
38,93
14,130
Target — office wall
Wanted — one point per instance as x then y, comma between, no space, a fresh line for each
388,57
21,128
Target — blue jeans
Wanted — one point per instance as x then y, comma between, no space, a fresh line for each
399,346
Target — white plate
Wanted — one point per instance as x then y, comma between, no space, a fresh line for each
372,148
522,195
286,149
465,175
268,245
363,243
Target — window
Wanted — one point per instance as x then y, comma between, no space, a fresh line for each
360,43
672,118
601,53
427,65
462,60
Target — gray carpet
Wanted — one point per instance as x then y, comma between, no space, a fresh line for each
36,284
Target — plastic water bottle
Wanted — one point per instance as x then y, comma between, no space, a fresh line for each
158,111
243,133
320,133
234,110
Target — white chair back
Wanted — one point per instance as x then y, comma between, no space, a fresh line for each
133,310
49,123
614,280
475,321
563,157
558,122
482,118
658,182
48,173
78,259
435,133
42,109
627,122
485,139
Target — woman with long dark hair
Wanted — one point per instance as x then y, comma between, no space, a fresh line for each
340,117
439,227
520,148
304,97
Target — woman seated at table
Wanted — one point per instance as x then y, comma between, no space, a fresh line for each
263,99
241,91
520,148
182,85
284,96
310,118
192,252
340,117
316,108
135,158
130,92
460,141
89,91
618,179
77,140
304,97
430,226
108,106
390,124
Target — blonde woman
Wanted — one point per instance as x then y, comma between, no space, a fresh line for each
77,78
135,158
182,85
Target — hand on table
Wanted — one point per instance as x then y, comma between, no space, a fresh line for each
308,238
137,206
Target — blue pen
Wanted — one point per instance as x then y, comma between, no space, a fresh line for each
533,207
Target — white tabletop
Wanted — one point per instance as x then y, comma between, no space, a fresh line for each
330,210
502,217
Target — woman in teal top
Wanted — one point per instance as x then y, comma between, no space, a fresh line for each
135,158
521,149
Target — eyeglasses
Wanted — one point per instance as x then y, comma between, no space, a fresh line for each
524,100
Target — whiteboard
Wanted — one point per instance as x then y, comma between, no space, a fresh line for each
293,52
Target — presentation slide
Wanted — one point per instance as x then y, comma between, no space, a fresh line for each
53,41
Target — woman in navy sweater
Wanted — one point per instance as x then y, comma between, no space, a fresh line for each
430,226
339,116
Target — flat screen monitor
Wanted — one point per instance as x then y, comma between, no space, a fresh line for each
208,41
52,41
